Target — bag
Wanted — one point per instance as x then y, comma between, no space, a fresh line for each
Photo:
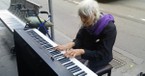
33,22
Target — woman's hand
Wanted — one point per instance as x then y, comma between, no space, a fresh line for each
74,52
65,47
62,47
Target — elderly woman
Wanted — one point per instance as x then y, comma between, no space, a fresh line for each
95,39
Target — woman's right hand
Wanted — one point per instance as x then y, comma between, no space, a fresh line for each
65,47
61,47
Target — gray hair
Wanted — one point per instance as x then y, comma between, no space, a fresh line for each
88,8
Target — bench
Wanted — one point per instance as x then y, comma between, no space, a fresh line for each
15,16
105,70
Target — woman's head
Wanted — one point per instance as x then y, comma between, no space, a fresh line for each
88,12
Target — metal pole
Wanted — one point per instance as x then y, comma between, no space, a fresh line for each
51,19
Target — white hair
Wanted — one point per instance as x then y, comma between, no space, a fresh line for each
88,8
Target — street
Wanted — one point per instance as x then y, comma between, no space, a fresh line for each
129,48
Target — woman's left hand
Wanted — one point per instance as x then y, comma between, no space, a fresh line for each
74,52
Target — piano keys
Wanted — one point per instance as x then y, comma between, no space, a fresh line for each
35,50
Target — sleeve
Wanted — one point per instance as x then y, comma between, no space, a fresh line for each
78,39
104,46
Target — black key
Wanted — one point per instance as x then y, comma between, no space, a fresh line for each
69,64
64,60
81,74
60,54
47,44
55,52
40,42
36,37
36,40
51,49
75,69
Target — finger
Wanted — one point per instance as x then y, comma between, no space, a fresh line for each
55,48
59,48
66,54
69,54
74,55
67,50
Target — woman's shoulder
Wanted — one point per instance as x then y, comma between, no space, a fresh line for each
110,29
111,25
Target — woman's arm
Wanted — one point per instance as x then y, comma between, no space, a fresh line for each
76,43
78,39
104,49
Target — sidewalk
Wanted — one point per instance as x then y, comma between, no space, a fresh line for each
8,66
